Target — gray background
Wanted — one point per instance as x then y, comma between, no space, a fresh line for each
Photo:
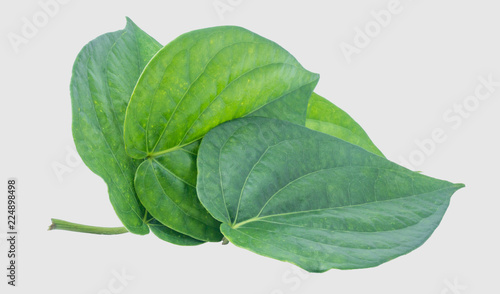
402,86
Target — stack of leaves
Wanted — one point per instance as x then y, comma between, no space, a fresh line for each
218,135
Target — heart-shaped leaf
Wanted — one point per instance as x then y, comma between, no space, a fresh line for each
202,79
324,116
104,75
297,195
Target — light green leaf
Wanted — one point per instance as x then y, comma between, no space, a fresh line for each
104,75
324,116
297,195
202,79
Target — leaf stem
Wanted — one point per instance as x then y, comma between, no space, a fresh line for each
58,224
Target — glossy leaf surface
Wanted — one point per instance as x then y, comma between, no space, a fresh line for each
297,195
202,79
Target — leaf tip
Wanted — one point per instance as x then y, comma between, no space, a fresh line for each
130,22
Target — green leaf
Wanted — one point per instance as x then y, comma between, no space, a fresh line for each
325,117
169,235
297,195
202,79
104,75
165,192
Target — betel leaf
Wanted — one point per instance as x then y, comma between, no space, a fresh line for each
324,116
202,79
297,195
169,235
170,194
104,75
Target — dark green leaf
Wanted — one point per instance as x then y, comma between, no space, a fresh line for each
164,191
198,81
169,235
297,195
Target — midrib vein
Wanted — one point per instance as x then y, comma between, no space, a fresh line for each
258,218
